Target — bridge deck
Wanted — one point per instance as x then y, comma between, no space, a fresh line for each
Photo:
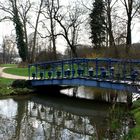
105,73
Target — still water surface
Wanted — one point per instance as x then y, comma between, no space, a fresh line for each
64,118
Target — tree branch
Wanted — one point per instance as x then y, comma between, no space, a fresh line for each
6,18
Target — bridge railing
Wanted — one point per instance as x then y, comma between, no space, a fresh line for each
99,68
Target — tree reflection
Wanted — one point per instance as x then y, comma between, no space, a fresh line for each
37,120
21,110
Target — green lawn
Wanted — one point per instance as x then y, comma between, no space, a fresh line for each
135,132
5,81
6,89
8,65
17,71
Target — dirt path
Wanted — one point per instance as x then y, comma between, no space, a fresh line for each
10,76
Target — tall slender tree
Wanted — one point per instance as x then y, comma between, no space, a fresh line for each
97,23
109,9
21,45
11,12
51,6
131,7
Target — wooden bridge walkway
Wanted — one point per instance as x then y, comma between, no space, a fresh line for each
118,74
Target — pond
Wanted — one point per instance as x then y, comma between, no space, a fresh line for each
58,117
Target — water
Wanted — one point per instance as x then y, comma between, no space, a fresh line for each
62,118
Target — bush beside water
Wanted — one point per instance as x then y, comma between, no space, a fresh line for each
14,87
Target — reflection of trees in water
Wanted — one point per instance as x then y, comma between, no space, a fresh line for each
7,128
21,110
97,94
57,123
36,121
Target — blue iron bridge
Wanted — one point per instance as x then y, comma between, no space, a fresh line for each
118,74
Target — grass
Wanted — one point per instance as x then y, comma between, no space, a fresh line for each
6,89
5,81
134,133
8,65
5,86
17,71
136,111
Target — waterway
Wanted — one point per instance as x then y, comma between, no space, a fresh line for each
91,115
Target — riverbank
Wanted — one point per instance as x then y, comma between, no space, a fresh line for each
13,84
134,133
14,87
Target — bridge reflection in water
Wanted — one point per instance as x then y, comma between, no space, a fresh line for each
105,73
62,118
75,119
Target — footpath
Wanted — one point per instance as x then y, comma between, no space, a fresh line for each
10,76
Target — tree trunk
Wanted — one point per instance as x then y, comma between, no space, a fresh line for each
26,37
35,32
74,53
111,37
129,8
53,38
128,39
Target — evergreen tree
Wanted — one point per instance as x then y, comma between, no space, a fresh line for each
97,23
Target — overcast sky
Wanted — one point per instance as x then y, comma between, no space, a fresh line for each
7,28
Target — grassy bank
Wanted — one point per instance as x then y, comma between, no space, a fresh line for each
6,81
134,133
6,88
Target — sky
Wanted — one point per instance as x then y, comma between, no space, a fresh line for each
7,28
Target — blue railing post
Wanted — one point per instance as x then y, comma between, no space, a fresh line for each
124,71
87,65
84,67
29,73
44,71
36,70
109,67
72,71
62,68
96,61
53,70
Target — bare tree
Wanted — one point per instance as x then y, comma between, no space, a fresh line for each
130,12
11,12
109,6
51,8
70,23
24,9
35,30
8,49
